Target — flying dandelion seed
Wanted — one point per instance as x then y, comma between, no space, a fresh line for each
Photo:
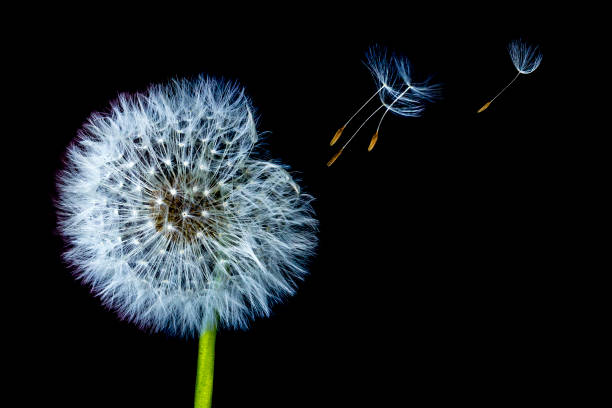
173,223
525,58
396,91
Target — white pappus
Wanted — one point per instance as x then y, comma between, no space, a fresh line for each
525,58
172,221
396,90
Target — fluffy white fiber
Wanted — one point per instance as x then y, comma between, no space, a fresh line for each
398,92
525,58
170,219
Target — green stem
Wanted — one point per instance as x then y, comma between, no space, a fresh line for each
206,367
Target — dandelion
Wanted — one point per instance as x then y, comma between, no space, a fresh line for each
174,223
525,58
395,89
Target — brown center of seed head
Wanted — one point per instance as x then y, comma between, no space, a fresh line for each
186,214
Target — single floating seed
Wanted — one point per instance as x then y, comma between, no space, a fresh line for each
336,136
373,142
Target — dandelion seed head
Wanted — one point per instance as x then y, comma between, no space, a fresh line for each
145,251
525,58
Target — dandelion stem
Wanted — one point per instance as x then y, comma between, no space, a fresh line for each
486,105
206,367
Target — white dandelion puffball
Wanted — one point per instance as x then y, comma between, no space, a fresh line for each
170,219
399,93
525,58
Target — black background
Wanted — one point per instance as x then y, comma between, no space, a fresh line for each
431,282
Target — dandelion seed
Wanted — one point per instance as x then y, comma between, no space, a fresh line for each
485,106
525,58
336,136
333,159
395,89
373,142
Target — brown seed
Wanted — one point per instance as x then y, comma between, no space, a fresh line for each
336,136
373,142
485,106
333,159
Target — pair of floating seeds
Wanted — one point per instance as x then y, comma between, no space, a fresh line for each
395,89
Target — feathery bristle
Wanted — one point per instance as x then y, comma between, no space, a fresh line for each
336,136
485,106
526,58
333,159
373,142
